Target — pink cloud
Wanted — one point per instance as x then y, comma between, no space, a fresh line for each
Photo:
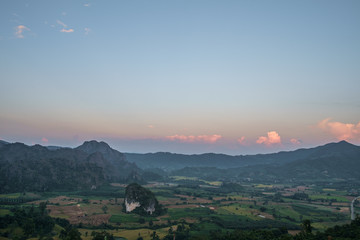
201,138
44,140
342,131
151,126
241,140
65,28
19,31
272,138
295,141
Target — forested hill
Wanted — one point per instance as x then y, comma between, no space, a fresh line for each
36,168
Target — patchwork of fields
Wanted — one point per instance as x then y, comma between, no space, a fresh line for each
200,209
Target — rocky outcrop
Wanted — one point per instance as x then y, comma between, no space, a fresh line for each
130,206
141,201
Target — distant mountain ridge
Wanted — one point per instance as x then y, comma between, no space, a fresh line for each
36,168
171,161
339,161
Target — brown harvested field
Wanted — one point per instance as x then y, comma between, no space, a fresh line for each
184,206
118,185
192,200
293,232
95,220
61,200
345,210
72,213
91,209
236,198
266,215
297,189
171,201
77,214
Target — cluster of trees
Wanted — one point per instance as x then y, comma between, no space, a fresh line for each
34,221
182,232
344,232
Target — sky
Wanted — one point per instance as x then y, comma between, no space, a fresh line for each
234,77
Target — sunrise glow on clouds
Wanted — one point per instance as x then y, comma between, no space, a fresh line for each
342,131
65,28
271,138
241,140
295,141
19,31
200,138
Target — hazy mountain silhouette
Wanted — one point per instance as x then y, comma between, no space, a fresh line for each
170,161
332,161
3,143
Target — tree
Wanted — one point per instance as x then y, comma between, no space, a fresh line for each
42,208
155,236
306,226
104,208
73,234
102,235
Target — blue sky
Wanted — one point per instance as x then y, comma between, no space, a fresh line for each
235,77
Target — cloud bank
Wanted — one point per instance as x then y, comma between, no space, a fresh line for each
201,138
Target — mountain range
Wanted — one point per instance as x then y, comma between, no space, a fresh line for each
39,168
170,161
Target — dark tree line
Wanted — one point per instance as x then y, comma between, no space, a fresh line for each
34,221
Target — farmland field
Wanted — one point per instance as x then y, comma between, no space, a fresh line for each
200,209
